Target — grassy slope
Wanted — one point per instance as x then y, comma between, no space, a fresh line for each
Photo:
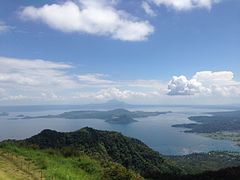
26,163
17,168
91,154
55,166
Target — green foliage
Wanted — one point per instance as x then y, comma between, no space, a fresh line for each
212,161
90,154
231,173
107,146
117,172
66,163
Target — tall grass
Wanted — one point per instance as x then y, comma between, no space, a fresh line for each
56,166
69,164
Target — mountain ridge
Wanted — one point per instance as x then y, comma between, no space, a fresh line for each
108,145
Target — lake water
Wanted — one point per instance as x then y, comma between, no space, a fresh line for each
156,132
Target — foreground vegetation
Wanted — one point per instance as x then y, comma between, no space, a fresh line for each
16,167
107,146
199,162
90,154
54,164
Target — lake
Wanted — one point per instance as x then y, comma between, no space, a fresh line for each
156,131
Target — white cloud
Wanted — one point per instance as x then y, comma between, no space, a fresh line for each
182,86
116,93
50,95
3,27
34,73
205,83
182,5
148,9
101,81
16,98
37,81
210,78
94,79
18,79
29,81
99,17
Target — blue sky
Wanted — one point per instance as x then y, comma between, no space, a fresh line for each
118,49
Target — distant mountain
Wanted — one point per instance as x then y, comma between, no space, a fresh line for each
116,103
109,146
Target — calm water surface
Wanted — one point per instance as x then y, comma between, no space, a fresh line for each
154,131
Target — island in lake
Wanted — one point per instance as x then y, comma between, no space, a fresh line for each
219,125
117,116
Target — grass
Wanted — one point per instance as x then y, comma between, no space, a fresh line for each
17,168
54,165
33,163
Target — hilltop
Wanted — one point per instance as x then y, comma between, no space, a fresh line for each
108,146
93,154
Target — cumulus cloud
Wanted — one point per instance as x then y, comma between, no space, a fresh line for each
182,86
99,17
148,9
42,81
182,5
205,83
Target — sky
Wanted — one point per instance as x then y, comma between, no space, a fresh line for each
137,51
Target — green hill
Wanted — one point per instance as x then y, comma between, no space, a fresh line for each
90,154
108,146
64,164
